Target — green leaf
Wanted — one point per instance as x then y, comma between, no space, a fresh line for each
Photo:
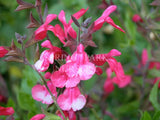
26,101
153,96
156,116
146,116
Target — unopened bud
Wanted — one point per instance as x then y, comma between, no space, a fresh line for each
108,29
152,36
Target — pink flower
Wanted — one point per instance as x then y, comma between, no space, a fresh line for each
6,111
105,18
136,18
71,99
41,32
47,57
68,114
38,117
121,80
67,26
40,93
77,68
3,51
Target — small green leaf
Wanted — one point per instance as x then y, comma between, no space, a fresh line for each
153,96
146,116
156,116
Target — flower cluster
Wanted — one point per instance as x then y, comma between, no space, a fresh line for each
78,66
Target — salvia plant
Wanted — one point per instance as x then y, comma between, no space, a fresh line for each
63,70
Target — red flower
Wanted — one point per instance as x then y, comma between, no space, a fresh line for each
3,51
41,32
47,57
136,18
38,117
71,99
6,111
121,79
40,93
105,18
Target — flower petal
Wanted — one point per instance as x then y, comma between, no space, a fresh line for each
122,80
41,32
6,110
113,53
38,92
78,14
38,117
109,10
3,51
47,44
62,18
86,71
41,65
58,31
79,103
64,100
59,79
49,18
72,82
111,22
